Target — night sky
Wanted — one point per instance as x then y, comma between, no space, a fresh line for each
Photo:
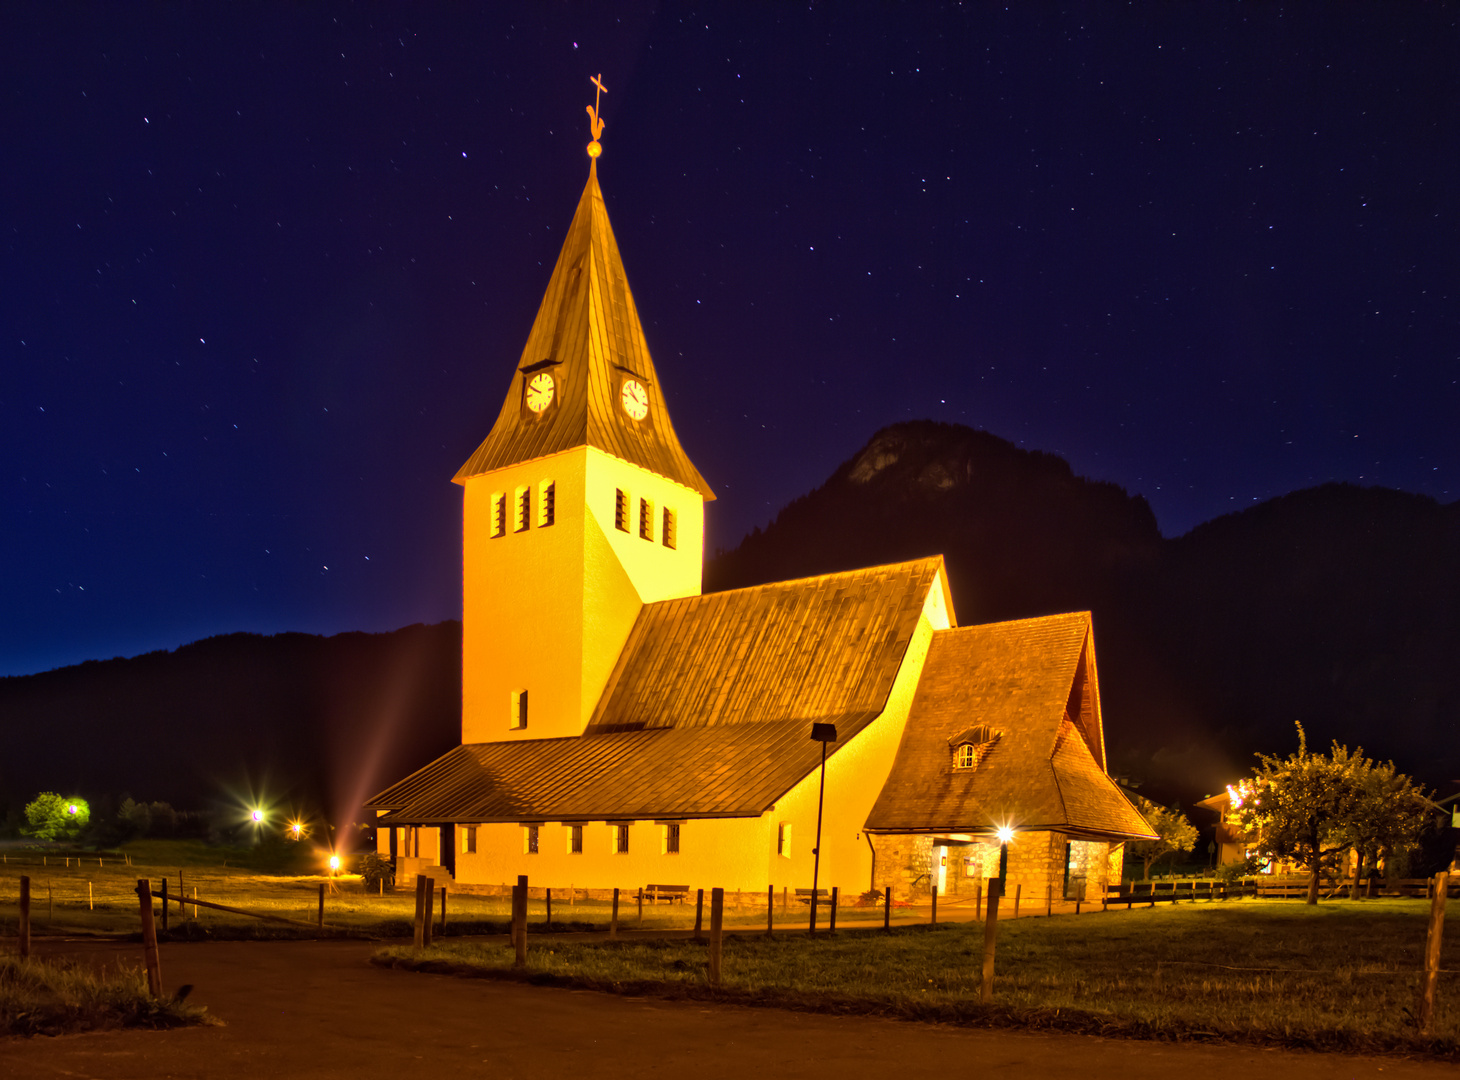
268,269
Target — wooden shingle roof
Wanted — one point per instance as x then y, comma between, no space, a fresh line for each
588,336
1024,680
708,712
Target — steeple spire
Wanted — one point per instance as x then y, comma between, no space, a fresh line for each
602,389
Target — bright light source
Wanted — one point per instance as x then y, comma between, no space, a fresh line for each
334,862
72,810
297,828
257,815
1006,834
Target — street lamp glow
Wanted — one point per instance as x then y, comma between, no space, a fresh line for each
257,816
72,810
1005,834
335,863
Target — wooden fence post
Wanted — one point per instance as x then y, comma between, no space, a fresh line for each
149,939
427,930
717,933
1048,901
978,901
699,912
641,903
1432,952
990,935
785,898
443,911
813,911
887,909
519,922
164,902
934,920
419,938
613,919
25,915
549,921
831,920
1018,892
770,912
321,905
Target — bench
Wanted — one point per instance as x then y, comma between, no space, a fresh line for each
803,896
672,893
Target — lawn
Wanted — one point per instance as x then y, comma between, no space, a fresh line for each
1342,976
60,997
96,893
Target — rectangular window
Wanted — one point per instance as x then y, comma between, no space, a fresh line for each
547,503
519,710
469,840
499,514
575,840
621,510
646,519
669,837
621,839
522,519
783,839
529,839
671,533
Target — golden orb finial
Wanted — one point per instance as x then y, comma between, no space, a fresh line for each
595,122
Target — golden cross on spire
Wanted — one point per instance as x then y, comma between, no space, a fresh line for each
595,122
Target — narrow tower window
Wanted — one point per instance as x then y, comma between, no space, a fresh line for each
783,839
547,500
671,837
621,839
499,514
469,840
519,709
529,839
671,531
646,519
621,510
523,518
575,840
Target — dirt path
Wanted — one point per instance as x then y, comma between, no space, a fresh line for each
318,1010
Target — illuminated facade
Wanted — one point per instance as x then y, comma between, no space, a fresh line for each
619,729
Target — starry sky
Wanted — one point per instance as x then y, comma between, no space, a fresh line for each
268,268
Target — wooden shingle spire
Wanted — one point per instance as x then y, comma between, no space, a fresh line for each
587,335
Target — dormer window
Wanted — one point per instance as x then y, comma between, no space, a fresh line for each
972,746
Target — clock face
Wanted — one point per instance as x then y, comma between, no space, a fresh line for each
540,392
635,399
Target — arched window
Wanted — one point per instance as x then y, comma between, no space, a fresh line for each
972,746
967,756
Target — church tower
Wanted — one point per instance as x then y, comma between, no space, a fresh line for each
580,506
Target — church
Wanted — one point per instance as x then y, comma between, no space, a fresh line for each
621,729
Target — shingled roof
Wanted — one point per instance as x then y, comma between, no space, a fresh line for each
707,713
587,334
1032,683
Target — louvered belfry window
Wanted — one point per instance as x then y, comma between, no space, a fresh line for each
671,533
646,519
621,510
499,514
548,504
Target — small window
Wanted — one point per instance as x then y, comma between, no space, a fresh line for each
671,533
499,514
670,837
469,840
522,519
621,839
519,709
530,838
575,840
621,510
783,839
646,519
967,757
547,503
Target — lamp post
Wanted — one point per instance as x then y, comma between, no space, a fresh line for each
822,733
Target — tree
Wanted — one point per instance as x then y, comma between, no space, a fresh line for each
1173,833
1390,817
50,817
1303,807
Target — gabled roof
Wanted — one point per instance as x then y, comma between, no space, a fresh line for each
708,712
587,334
1020,678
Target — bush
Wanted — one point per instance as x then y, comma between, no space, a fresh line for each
374,870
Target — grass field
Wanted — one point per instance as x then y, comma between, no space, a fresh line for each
56,997
96,893
1342,976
